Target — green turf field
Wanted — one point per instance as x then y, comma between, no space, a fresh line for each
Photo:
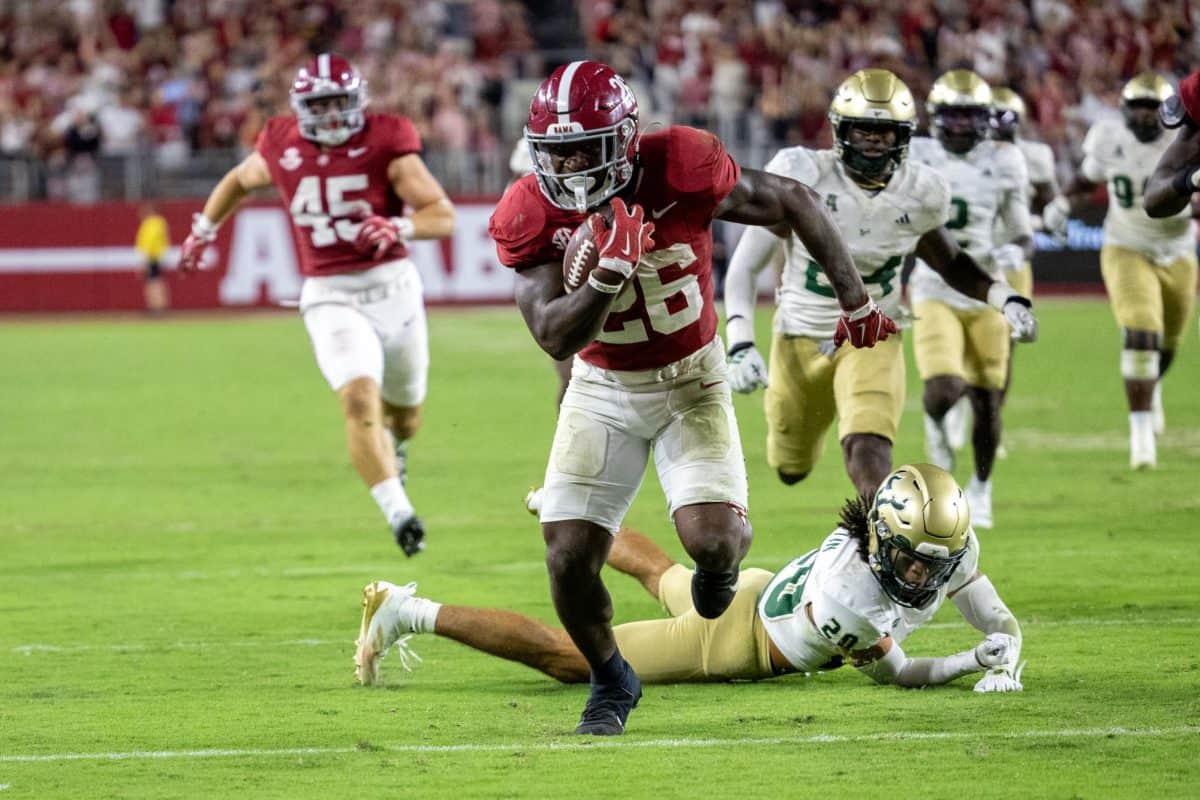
183,543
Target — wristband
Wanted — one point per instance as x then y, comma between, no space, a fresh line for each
618,265
862,312
203,227
404,227
1184,182
1000,293
739,347
601,286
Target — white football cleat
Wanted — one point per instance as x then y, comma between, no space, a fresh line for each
937,446
388,613
957,423
979,501
533,500
1143,449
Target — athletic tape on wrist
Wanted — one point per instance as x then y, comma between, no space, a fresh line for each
618,265
404,227
601,286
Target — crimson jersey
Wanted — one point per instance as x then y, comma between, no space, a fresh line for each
666,312
329,190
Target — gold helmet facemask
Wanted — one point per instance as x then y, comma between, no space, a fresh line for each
918,527
872,101
960,110
1140,101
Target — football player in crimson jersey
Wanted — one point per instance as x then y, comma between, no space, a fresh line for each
1176,176
347,175
649,373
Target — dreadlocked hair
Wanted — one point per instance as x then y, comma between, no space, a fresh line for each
853,518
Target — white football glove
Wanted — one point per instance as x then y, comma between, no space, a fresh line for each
1009,257
997,650
747,370
1055,216
1017,311
1001,679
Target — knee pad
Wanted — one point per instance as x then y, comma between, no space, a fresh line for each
1139,365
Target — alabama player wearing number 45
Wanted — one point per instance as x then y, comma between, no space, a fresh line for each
347,175
649,370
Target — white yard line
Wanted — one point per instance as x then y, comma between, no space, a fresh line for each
147,647
620,744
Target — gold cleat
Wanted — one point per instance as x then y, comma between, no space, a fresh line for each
369,651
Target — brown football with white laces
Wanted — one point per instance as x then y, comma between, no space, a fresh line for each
580,258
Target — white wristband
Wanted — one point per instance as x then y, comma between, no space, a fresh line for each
998,294
203,227
601,286
739,329
404,227
861,312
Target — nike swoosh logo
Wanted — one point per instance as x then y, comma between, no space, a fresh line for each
704,385
663,210
356,151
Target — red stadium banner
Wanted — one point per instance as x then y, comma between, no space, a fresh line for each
60,257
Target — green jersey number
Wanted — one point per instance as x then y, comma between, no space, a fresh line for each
959,214
786,588
1122,189
882,276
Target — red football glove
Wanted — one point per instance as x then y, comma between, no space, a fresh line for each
864,326
621,245
377,235
191,253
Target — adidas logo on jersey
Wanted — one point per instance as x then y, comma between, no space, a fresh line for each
903,219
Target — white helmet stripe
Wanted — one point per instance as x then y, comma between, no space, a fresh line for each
323,65
564,92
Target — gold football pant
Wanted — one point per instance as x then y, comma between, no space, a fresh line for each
689,648
1022,280
1145,297
864,387
972,345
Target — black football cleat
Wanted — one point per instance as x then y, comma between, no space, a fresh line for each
712,592
410,535
608,706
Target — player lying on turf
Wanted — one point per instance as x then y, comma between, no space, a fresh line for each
881,574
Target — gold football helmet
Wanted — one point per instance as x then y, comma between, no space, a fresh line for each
918,527
872,101
960,109
1140,100
1008,112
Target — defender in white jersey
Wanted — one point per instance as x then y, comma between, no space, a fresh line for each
1148,264
880,575
885,207
961,345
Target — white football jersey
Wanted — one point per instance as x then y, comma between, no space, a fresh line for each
1112,154
1039,162
849,609
989,186
879,229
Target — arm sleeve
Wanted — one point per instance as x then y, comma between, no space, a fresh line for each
757,248
981,606
897,668
1092,168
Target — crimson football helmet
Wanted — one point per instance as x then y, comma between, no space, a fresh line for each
583,107
329,76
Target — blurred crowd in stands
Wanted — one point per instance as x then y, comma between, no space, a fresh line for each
167,82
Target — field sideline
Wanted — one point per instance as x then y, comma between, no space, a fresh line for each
184,545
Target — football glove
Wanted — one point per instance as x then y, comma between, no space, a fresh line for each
622,244
1055,216
191,253
996,650
1001,679
747,370
864,326
1017,311
1009,257
377,235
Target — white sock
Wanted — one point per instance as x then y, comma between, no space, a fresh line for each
392,501
1141,424
425,615
978,485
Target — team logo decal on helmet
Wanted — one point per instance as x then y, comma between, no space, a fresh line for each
960,110
582,131
329,97
1141,99
872,100
917,532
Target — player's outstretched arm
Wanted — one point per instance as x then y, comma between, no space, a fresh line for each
1176,177
247,176
939,250
981,606
886,662
757,248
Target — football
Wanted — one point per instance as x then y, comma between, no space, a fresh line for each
580,257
